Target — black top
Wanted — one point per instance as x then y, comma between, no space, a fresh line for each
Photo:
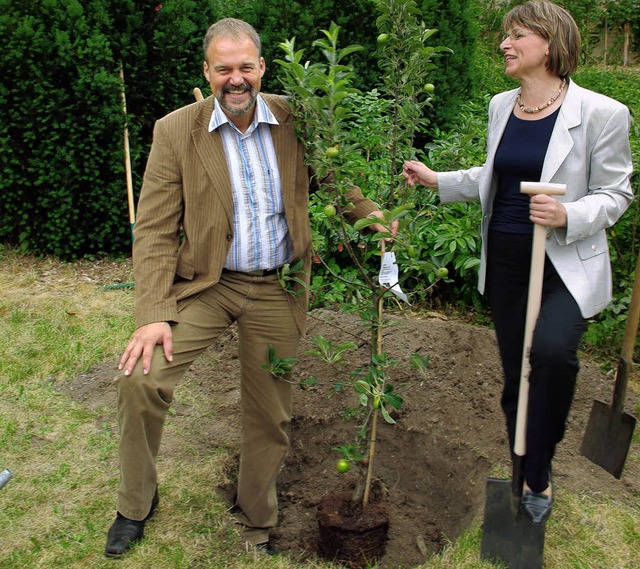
519,158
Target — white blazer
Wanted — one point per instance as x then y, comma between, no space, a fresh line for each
589,151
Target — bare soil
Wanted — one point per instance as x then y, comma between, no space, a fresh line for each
432,464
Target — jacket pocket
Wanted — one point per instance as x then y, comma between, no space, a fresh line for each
593,246
184,269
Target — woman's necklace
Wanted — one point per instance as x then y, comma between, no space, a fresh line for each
544,105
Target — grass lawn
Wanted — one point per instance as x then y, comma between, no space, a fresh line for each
57,320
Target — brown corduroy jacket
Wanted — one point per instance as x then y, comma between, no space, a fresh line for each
186,185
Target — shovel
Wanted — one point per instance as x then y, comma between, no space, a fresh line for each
508,536
608,435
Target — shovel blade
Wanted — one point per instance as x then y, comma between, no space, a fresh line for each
506,538
607,438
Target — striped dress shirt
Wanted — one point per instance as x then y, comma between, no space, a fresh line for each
260,230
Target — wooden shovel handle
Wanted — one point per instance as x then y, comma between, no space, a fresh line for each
532,188
533,310
197,93
633,317
628,344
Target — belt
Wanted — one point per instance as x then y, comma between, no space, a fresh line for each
258,273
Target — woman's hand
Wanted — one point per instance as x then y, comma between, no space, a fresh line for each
548,211
415,172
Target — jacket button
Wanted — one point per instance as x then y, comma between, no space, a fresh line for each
229,237
593,247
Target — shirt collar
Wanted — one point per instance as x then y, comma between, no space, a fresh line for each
262,115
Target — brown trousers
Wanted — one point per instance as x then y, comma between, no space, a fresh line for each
263,312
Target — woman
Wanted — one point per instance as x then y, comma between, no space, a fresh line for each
548,130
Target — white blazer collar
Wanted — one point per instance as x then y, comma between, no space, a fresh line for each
561,141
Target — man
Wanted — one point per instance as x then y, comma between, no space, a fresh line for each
229,171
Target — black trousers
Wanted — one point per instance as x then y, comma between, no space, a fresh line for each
553,356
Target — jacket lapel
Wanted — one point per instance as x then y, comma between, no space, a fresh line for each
285,153
561,141
498,122
502,113
210,150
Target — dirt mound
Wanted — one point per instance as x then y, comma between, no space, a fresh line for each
432,464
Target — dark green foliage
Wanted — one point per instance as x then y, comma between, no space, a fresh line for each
61,137
452,235
277,20
61,124
163,56
455,74
407,62
618,83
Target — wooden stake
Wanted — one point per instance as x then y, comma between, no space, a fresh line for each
127,155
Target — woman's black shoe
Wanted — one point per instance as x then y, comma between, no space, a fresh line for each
536,505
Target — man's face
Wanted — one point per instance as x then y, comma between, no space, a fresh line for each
234,71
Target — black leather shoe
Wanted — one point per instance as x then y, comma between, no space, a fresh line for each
124,533
266,547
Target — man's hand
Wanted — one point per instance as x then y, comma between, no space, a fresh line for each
378,227
142,343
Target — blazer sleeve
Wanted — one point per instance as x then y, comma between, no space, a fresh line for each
609,187
459,185
156,233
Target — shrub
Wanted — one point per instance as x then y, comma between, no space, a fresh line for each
61,144
61,140
61,137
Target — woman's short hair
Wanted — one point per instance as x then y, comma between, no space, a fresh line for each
233,27
556,26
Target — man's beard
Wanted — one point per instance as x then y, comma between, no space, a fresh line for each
233,109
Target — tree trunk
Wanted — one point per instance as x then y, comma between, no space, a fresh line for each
606,39
627,44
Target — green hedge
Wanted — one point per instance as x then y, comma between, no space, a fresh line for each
61,137
61,134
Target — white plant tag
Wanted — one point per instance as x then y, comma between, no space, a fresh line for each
388,276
